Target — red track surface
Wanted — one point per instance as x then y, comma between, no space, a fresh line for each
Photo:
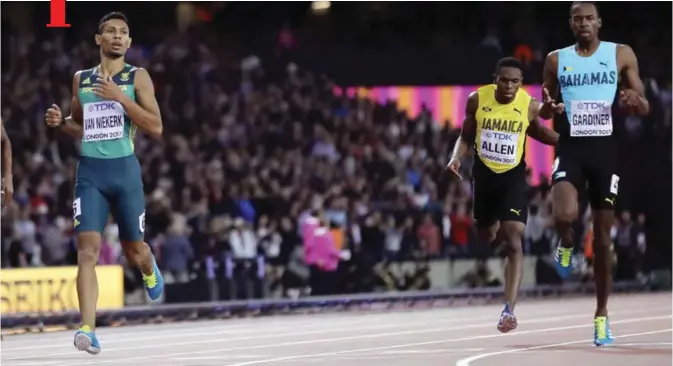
550,333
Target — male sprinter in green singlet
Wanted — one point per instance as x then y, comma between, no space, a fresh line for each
110,102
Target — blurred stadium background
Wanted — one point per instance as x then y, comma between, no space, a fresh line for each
275,109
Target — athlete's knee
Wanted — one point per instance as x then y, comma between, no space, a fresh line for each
488,234
565,206
88,248
564,217
136,251
562,226
603,220
512,233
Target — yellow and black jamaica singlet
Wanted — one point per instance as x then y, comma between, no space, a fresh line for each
501,129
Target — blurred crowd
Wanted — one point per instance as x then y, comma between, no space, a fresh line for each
247,155
236,169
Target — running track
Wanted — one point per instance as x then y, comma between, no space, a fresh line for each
550,333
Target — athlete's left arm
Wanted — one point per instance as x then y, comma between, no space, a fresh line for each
536,130
145,114
635,94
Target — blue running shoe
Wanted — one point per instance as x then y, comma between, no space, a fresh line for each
154,283
564,261
602,332
85,340
507,321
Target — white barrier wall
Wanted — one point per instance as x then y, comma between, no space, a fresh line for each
446,274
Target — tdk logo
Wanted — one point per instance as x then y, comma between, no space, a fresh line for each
592,105
101,107
500,136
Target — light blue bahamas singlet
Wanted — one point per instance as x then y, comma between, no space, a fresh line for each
588,88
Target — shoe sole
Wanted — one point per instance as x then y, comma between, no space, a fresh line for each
84,343
563,272
160,280
603,343
507,324
157,294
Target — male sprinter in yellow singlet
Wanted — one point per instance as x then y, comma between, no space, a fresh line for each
498,117
110,102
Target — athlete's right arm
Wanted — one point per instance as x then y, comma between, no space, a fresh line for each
536,130
467,134
71,125
469,129
549,74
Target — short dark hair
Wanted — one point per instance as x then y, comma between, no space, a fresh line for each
109,16
578,3
508,62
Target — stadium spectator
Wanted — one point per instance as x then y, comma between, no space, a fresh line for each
429,236
176,251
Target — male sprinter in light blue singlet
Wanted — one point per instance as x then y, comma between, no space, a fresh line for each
591,78
110,102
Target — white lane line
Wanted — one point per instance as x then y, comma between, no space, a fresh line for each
135,329
384,354
372,336
295,320
320,329
222,329
427,351
202,358
204,325
468,360
280,320
646,344
252,327
544,330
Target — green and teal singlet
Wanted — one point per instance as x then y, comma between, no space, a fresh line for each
109,178
108,132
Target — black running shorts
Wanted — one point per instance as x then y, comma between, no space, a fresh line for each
591,168
499,197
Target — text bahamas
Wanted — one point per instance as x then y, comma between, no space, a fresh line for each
594,78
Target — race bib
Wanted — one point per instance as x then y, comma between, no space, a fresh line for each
499,147
76,208
103,121
141,222
590,118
